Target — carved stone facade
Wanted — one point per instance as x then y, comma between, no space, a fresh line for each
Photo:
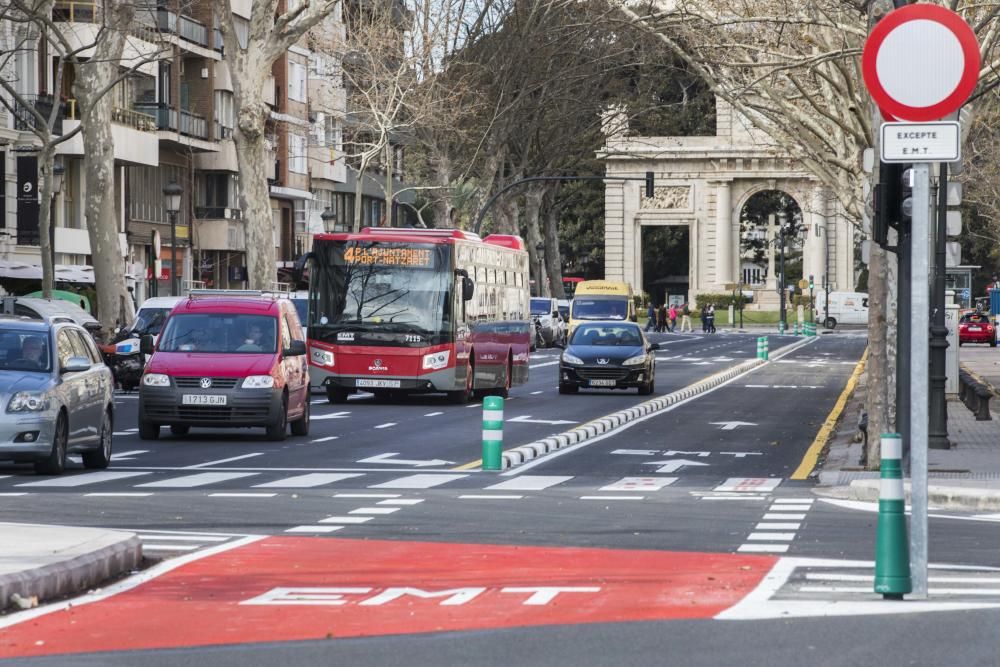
703,183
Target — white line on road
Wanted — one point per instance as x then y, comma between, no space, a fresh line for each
346,519
121,455
777,526
242,495
86,478
10,495
201,479
791,508
121,494
182,538
313,529
433,414
536,393
547,363
779,516
417,482
764,548
332,415
528,483
612,497
401,501
215,463
306,481
794,501
326,439
489,497
366,495
170,547
386,425
767,537
375,510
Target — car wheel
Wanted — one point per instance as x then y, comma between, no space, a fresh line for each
336,395
100,458
55,462
149,431
993,343
276,431
568,389
301,425
463,395
180,429
830,323
646,389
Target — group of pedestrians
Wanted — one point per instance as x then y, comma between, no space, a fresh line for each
663,319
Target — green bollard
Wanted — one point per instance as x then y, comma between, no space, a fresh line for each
492,432
892,547
762,347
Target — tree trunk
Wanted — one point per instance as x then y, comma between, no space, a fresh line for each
45,222
255,197
113,302
877,368
553,254
532,206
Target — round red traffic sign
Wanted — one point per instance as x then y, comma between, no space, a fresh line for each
921,62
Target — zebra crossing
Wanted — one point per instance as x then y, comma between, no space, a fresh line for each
264,484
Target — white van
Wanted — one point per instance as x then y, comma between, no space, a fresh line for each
845,308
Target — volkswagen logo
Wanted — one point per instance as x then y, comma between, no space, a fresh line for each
206,383
603,362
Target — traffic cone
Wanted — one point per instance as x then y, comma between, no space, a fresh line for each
892,547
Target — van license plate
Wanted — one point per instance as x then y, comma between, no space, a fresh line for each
203,399
388,384
603,383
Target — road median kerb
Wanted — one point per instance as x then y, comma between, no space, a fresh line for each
601,425
943,497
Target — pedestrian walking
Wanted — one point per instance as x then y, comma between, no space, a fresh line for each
672,316
661,318
704,318
685,316
651,322
711,318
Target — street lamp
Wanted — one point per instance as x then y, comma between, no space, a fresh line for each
327,216
539,249
172,198
784,230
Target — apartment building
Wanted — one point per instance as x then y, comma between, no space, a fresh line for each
174,117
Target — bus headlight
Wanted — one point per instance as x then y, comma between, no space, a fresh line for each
436,360
321,357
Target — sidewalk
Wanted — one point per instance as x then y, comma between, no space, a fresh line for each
41,562
966,476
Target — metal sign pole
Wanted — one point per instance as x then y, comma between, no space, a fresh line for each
919,359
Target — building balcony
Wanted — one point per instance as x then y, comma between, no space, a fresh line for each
170,119
220,234
25,120
325,96
324,164
134,133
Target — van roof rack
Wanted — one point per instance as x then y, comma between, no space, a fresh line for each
278,291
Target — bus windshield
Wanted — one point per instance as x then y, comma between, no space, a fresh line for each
380,288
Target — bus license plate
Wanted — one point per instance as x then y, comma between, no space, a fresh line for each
603,383
388,384
203,399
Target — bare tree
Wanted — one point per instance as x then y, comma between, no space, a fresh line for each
250,61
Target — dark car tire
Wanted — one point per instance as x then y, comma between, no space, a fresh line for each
301,425
100,458
55,462
568,389
277,430
463,396
830,323
646,389
336,395
149,431
180,429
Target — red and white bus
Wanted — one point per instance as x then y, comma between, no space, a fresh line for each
418,310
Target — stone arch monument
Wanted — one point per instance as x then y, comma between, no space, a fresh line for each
703,182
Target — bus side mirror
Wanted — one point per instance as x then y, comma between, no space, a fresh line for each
300,267
468,288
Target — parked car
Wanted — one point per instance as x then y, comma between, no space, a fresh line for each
608,355
50,309
563,309
550,326
976,328
235,360
57,395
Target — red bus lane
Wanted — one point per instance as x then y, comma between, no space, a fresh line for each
291,588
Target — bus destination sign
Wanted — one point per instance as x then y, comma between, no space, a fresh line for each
390,256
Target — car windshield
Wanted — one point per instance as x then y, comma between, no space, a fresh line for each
150,321
607,336
220,333
540,306
24,350
599,309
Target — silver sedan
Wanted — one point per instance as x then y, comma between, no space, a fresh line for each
55,395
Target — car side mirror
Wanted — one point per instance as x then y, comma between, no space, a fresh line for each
654,346
76,365
555,314
297,348
146,344
468,288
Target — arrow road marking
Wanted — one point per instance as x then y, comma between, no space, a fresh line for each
732,426
387,459
674,465
526,419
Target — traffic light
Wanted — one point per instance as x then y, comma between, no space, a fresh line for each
649,185
893,203
810,281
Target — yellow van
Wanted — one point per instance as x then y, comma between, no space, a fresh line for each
601,300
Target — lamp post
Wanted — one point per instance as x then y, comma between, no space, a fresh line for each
172,198
328,217
539,249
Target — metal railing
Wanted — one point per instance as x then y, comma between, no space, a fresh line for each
222,131
217,213
24,119
194,125
184,27
135,119
167,118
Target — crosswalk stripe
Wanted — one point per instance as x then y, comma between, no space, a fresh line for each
765,537
307,481
182,538
424,481
200,479
346,519
375,510
313,529
529,483
84,479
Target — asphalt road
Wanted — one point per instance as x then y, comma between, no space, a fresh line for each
702,489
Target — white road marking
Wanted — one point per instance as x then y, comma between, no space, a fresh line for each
547,363
791,508
386,425
401,501
366,495
528,483
242,495
169,547
332,415
307,481
490,497
536,393
639,484
11,495
233,458
313,529
326,439
191,481
433,414
764,548
794,501
749,484
776,537
346,519
85,478
122,494
612,497
123,455
183,538
775,516
777,526
425,481
375,510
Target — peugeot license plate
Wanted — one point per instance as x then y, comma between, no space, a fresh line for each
203,399
387,384
603,383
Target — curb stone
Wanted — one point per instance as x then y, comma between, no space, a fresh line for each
944,497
